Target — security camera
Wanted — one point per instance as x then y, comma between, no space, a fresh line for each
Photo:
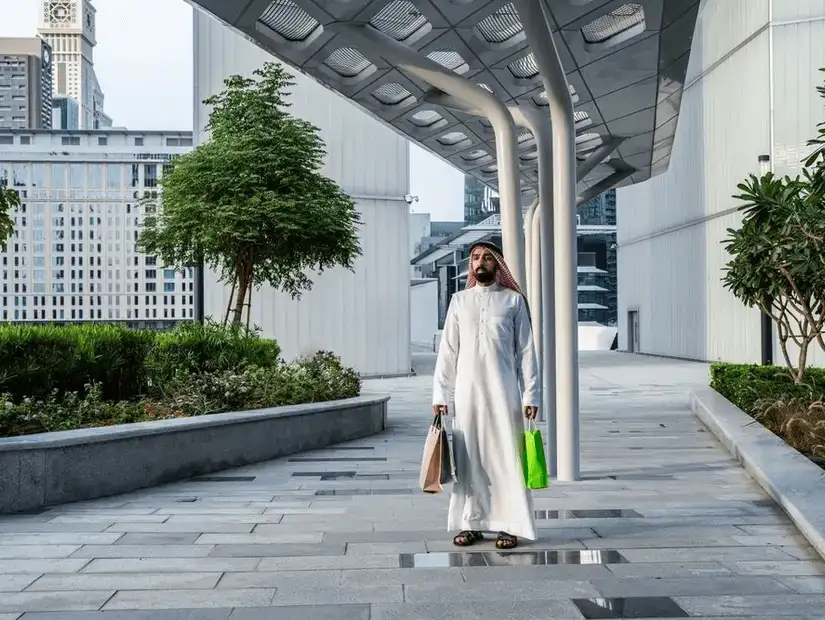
409,199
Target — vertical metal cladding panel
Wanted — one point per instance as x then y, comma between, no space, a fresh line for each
671,227
362,316
799,53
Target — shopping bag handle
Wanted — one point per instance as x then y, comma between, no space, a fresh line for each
531,424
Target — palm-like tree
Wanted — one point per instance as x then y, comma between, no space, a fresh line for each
9,199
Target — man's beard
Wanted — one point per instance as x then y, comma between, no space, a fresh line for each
485,277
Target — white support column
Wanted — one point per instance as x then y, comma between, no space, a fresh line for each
542,273
544,50
372,42
528,244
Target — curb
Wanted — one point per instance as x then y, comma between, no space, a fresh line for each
791,479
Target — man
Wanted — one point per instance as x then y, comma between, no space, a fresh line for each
486,358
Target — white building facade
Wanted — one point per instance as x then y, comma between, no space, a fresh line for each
69,28
73,256
363,315
750,91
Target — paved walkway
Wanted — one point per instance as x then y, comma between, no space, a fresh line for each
664,525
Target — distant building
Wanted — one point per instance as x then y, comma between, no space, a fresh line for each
69,27
65,113
25,83
73,257
479,201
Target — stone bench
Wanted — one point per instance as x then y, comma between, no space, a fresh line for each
54,468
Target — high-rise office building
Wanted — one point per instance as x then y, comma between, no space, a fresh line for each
25,83
69,27
479,201
65,113
73,255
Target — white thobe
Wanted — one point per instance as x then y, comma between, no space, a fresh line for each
487,361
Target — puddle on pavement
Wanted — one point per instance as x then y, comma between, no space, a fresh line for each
510,558
587,514
635,607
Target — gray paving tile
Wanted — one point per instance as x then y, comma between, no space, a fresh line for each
669,569
189,528
788,604
487,591
36,552
304,612
688,586
471,610
705,554
340,595
16,583
397,576
793,567
125,581
805,585
386,547
258,539
155,614
79,538
383,537
157,539
170,565
42,566
273,550
329,562
580,572
143,551
53,601
280,579
189,599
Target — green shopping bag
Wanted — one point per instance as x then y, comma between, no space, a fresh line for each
532,457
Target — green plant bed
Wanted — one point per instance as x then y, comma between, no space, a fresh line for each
36,360
318,378
793,411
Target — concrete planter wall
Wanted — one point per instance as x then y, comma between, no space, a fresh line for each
55,468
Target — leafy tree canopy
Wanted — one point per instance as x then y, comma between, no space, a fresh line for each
9,199
252,202
778,253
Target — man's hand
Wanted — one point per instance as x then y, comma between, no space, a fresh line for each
530,412
442,409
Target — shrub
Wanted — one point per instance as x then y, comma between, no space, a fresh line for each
746,384
37,359
192,348
59,412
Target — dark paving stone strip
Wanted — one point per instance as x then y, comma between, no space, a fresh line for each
341,492
638,607
331,475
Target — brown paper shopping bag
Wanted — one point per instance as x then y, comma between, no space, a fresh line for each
437,467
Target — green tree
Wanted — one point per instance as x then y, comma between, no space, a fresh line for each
778,253
9,199
252,202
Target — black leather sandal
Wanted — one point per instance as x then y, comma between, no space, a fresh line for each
506,541
467,538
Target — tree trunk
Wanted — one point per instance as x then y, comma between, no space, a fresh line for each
240,295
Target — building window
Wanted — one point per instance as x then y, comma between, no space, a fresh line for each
70,141
138,141
102,141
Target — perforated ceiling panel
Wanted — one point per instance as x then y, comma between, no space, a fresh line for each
625,64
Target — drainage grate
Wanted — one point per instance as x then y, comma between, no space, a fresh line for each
342,492
511,558
327,459
322,474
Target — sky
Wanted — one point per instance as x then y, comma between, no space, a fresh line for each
144,65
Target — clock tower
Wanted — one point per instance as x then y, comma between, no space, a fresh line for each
69,26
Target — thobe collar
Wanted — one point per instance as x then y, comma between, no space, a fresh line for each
492,288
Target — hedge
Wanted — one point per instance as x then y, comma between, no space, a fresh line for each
745,384
36,360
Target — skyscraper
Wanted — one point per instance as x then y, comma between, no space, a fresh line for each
25,83
69,28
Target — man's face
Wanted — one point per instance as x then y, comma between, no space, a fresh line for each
484,265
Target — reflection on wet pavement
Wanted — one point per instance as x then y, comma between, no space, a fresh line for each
510,558
637,607
587,514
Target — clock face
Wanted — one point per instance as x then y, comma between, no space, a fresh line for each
47,57
89,21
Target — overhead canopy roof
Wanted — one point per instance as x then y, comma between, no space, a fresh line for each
625,63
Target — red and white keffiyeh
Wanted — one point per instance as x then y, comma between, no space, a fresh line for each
503,276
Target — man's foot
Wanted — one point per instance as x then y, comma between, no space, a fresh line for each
506,541
467,538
